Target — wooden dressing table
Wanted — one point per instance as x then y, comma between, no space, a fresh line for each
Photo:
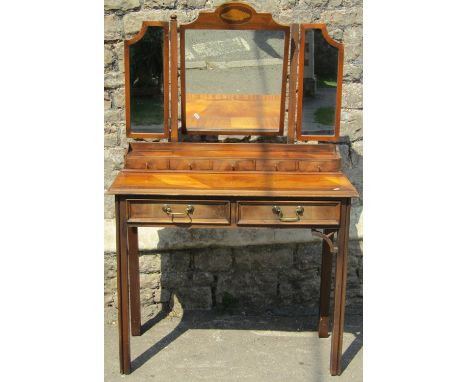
182,183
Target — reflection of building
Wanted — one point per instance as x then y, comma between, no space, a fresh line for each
310,79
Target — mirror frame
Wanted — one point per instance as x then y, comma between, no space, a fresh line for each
220,20
339,83
127,44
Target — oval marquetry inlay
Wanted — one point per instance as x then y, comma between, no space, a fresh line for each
236,15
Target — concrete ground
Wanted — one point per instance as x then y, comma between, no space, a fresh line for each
208,347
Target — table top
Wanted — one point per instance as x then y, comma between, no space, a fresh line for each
255,184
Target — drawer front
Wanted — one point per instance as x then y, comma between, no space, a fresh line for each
289,213
179,212
189,164
275,165
233,165
147,163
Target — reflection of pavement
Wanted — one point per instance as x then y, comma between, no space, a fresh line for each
229,45
234,62
246,80
325,97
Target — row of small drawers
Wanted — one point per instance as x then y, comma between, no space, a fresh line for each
232,164
224,212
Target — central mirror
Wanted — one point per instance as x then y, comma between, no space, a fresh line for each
233,81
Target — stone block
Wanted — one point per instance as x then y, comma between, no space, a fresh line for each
203,278
308,256
352,96
195,298
313,3
110,266
110,285
150,280
113,80
109,298
113,116
109,207
121,5
118,98
107,104
176,261
160,3
263,257
351,124
146,296
353,53
112,28
336,34
252,289
150,263
132,21
162,295
342,17
286,292
195,3
213,259
352,72
309,289
353,35
113,158
108,55
173,280
110,136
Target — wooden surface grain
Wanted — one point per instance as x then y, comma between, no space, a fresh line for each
333,184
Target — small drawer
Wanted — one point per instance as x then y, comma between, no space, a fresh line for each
275,165
188,164
216,212
147,163
289,213
233,165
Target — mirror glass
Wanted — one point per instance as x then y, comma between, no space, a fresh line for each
233,80
319,85
146,82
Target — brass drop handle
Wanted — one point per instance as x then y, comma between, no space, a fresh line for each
188,211
299,212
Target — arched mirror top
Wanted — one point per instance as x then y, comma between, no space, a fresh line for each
235,15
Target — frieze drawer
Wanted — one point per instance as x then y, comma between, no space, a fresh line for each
288,213
216,212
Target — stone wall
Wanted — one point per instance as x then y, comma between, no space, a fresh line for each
270,270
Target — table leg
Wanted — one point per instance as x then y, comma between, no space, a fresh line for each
325,286
122,286
340,290
134,267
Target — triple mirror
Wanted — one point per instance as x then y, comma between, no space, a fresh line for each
234,66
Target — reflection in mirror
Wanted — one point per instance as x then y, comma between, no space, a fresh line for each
233,80
319,85
146,82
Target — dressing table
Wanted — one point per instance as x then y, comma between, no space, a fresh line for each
253,93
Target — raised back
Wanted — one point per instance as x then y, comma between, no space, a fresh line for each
234,64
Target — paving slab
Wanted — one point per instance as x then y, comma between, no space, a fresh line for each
205,346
